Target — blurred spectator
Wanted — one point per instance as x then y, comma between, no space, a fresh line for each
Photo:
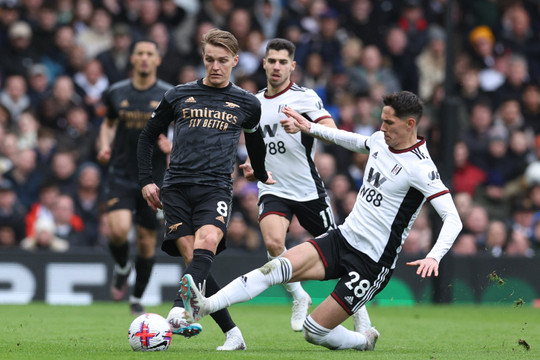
115,60
14,97
18,54
8,148
339,187
148,15
268,14
97,37
356,169
432,62
469,88
56,104
44,29
522,216
519,36
25,176
248,199
9,14
327,42
414,23
45,238
45,148
11,216
508,116
496,238
482,47
476,224
420,237
87,200
476,137
499,169
65,227
27,129
531,106
42,209
251,57
38,81
364,22
519,245
171,60
90,83
187,74
465,245
402,60
326,165
215,12
316,75
79,136
63,171
466,176
517,76
57,61
242,236
372,72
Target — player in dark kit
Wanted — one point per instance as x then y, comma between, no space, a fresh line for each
209,115
129,106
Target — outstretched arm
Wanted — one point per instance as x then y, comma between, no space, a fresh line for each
450,230
350,141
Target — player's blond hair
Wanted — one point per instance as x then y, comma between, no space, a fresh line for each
222,39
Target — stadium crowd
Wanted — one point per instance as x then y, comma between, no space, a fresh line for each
59,56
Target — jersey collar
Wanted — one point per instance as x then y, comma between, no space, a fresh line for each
279,93
418,144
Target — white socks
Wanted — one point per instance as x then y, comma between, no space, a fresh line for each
246,287
339,338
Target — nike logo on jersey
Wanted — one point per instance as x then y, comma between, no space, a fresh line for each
231,105
124,103
174,227
191,100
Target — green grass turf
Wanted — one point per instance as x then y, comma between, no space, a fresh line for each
39,331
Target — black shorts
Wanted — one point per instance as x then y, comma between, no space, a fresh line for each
360,278
129,196
315,216
189,207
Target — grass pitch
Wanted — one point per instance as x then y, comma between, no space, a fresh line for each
99,331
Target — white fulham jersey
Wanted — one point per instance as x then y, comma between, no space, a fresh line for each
396,185
290,156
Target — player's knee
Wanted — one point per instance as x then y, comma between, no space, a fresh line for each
118,235
275,247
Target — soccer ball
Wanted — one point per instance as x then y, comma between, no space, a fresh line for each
150,332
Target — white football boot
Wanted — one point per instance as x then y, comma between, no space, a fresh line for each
372,335
299,312
233,341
